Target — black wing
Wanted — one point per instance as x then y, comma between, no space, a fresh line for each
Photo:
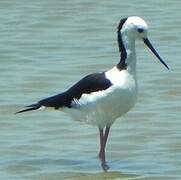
90,83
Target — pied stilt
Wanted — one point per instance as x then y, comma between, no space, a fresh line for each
100,98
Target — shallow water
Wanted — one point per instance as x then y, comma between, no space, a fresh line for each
45,47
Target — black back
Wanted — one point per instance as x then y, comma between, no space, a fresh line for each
90,83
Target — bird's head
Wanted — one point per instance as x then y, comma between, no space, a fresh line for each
136,28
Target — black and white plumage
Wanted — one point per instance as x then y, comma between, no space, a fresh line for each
100,98
89,84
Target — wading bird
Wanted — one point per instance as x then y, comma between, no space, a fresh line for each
100,98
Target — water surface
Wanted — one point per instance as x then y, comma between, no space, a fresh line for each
45,47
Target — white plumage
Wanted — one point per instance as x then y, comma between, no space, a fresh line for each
102,108
100,98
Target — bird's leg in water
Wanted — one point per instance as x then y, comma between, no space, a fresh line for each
103,141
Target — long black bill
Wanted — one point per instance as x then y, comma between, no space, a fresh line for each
150,46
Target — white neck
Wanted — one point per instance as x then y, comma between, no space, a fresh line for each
129,44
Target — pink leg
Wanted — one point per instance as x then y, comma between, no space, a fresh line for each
103,140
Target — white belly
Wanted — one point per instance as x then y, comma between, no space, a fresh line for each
104,107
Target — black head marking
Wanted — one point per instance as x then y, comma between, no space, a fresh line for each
121,65
122,21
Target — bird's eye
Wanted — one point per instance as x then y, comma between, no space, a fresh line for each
140,30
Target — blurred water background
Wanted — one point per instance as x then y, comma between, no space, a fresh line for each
45,46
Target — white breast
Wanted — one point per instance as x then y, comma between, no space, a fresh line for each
104,107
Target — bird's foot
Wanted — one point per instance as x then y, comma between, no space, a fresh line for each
105,167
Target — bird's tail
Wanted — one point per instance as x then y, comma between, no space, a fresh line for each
30,108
